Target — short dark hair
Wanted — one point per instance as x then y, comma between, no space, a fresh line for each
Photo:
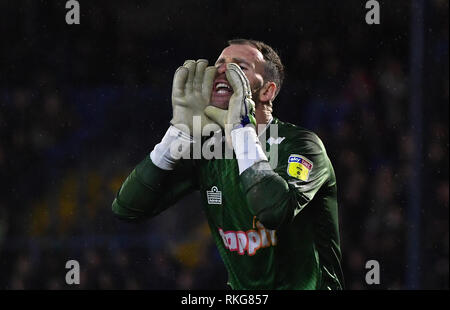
274,69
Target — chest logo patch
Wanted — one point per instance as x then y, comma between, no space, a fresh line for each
299,167
214,196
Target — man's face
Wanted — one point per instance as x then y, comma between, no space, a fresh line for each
251,62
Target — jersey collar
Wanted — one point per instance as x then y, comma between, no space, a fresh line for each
265,128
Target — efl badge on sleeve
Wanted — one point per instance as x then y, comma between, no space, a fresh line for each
299,167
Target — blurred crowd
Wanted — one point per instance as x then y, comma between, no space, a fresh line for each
80,108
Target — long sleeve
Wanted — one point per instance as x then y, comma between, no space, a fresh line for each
277,196
149,190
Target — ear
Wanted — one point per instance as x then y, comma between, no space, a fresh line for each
267,92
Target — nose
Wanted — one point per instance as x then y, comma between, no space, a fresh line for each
222,68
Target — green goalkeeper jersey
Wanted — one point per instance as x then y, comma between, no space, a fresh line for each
274,230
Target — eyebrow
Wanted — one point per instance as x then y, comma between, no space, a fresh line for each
236,60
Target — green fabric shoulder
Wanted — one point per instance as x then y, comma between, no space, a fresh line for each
303,162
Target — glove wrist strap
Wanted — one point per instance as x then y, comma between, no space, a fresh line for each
247,147
174,145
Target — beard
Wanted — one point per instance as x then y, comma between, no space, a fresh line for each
255,94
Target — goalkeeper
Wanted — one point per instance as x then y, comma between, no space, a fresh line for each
275,223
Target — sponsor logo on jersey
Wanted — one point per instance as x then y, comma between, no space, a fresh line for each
214,196
273,140
299,167
248,242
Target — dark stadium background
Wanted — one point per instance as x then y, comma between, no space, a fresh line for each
81,105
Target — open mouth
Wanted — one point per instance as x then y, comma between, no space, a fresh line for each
221,94
222,88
